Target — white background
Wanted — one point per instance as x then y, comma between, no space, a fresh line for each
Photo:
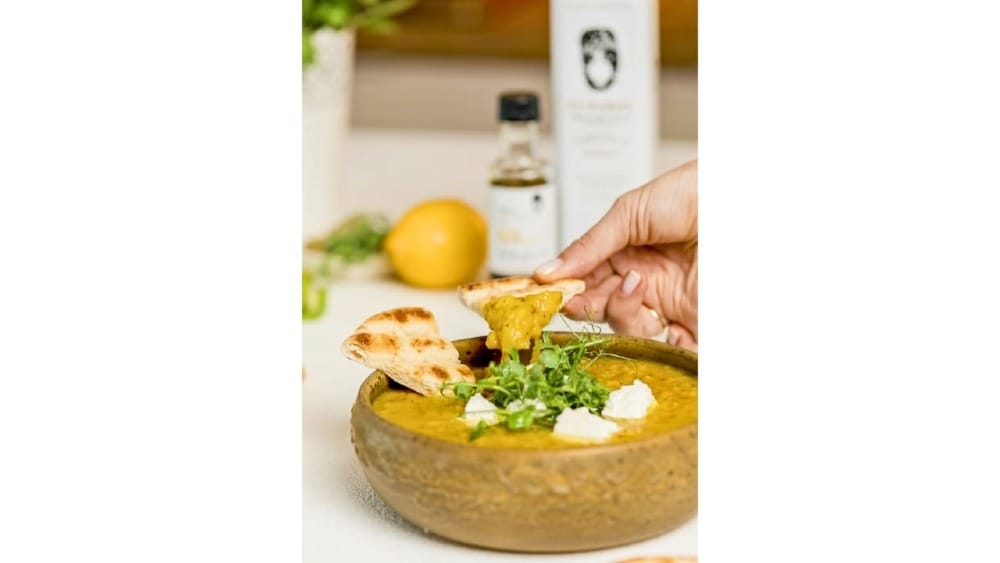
149,208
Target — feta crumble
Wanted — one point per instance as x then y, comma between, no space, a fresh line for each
630,401
581,423
480,408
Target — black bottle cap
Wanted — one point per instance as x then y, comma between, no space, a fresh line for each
518,106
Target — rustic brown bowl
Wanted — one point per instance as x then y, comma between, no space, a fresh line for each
533,500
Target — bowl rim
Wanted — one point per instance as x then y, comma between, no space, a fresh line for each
363,405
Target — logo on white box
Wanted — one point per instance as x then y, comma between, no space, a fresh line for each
600,58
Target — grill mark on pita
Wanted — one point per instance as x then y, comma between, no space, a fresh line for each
405,345
363,339
427,343
386,340
406,313
514,282
377,341
440,372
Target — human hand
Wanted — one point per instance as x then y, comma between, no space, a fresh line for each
640,262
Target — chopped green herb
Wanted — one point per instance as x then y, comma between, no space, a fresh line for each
479,429
521,419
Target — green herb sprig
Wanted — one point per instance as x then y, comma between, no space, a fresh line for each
358,238
558,379
354,241
374,16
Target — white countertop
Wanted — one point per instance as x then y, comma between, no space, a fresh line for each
342,516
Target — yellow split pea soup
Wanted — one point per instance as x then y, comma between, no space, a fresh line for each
675,390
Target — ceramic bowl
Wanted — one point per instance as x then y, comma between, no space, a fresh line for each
533,500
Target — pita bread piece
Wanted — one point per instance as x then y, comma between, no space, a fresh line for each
405,345
476,295
517,309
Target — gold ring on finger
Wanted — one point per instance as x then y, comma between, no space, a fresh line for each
663,322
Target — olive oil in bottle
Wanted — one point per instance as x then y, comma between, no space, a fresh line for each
523,211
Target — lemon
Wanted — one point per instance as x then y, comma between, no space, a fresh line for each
437,244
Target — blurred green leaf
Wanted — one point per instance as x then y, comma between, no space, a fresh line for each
313,296
372,16
334,15
389,8
358,237
381,27
308,53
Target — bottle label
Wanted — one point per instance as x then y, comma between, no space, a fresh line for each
523,229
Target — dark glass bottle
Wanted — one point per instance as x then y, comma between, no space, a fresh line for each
523,208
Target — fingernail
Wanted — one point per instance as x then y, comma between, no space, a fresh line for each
631,282
549,267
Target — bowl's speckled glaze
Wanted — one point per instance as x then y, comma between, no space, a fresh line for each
533,500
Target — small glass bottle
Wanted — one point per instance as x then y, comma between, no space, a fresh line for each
523,210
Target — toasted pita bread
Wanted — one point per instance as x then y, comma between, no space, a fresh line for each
475,295
405,345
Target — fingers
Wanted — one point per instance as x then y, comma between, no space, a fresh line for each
608,236
663,211
590,305
598,274
680,336
619,302
625,311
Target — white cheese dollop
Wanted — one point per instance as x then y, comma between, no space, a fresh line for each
480,408
581,423
631,401
518,404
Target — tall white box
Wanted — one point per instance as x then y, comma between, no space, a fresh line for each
605,74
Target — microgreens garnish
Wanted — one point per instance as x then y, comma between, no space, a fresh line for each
558,379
